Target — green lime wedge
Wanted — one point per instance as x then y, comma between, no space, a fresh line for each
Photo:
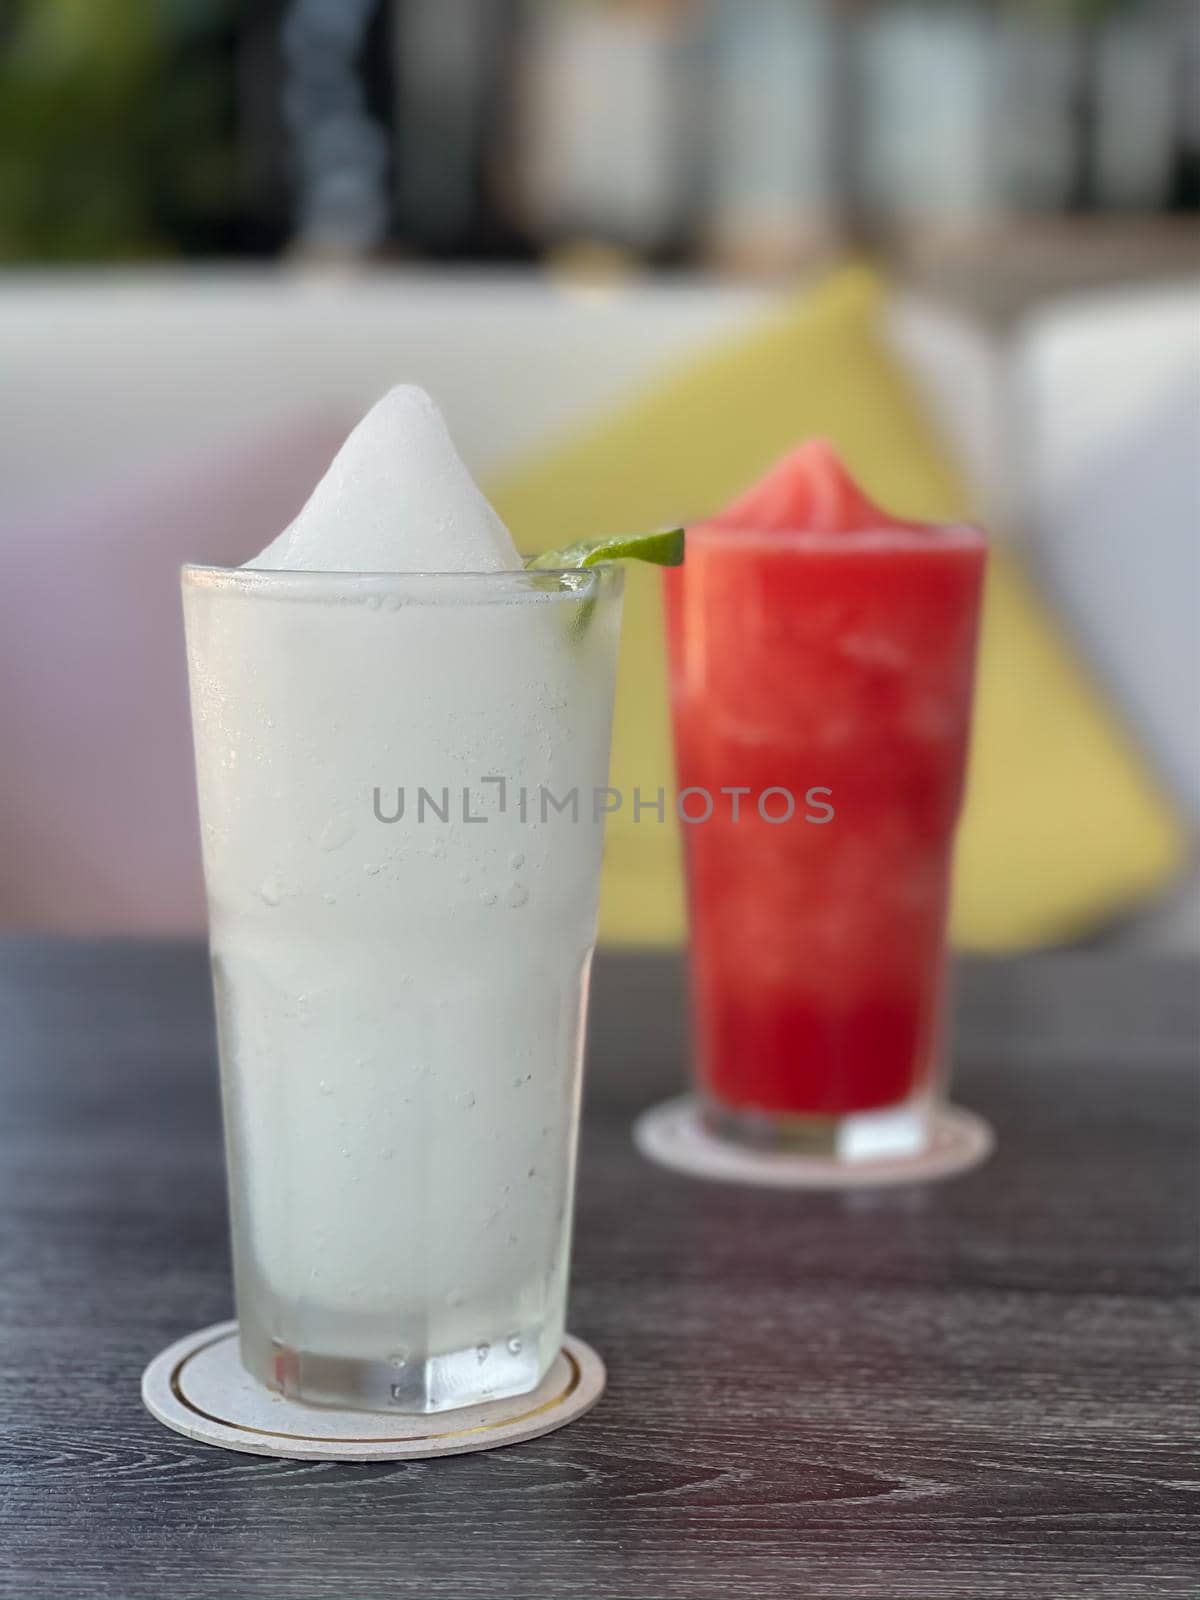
662,549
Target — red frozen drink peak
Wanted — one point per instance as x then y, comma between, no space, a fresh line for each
809,491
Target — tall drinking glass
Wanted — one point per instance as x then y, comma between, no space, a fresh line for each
402,905
821,688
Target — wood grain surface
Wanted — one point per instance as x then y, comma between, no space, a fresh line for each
980,1389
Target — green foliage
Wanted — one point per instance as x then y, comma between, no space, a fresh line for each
115,126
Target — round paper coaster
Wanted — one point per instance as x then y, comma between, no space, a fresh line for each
199,1387
674,1135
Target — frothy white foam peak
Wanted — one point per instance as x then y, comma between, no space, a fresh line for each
396,498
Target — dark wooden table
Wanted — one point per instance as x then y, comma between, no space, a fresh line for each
983,1388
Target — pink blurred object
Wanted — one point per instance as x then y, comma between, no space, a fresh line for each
97,808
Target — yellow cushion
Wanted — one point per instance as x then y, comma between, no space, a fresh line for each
1064,826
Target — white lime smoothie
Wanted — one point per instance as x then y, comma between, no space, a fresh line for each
400,977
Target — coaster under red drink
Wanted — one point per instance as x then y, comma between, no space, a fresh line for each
199,1387
675,1135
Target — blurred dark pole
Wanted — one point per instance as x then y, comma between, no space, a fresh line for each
262,138
1083,192
846,143
454,67
1185,189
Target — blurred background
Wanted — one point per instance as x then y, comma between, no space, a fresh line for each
225,229
746,135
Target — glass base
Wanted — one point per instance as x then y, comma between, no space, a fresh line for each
199,1387
442,1382
903,1130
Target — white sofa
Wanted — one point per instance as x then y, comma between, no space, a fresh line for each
111,382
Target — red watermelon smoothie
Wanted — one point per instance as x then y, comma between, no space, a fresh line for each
822,655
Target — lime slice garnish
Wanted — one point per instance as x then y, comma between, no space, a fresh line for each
662,549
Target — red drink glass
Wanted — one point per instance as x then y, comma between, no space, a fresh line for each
822,657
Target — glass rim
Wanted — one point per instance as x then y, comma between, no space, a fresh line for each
924,536
280,583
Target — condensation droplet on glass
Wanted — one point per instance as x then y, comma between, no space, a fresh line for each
272,891
516,862
487,897
517,896
482,1352
325,1088
336,831
514,1346
455,1298
399,1357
